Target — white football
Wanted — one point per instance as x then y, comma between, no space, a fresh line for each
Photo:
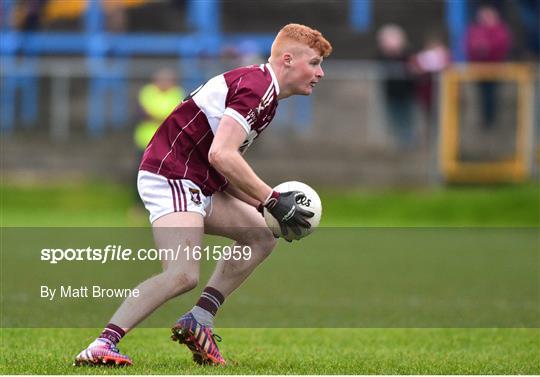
311,202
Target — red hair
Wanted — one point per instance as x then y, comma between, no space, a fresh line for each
304,35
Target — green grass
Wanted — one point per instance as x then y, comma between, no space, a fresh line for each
290,351
68,204
454,206
309,350
106,204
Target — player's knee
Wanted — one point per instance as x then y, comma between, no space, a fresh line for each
183,281
269,242
263,239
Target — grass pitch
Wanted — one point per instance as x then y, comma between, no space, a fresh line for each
105,204
284,350
289,351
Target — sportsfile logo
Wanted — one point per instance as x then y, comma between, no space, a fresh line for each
109,253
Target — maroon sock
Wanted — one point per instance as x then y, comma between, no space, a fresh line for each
210,300
112,333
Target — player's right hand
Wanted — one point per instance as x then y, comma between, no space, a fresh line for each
285,208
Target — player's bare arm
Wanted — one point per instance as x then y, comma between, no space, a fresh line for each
241,195
224,155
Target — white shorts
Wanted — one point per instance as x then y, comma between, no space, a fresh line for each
162,196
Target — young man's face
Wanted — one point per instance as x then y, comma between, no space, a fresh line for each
305,71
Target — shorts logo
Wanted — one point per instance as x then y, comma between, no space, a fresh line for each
195,196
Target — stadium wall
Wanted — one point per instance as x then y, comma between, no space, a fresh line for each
339,136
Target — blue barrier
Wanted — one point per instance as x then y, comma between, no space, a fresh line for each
23,81
456,19
360,14
107,60
203,16
108,79
102,48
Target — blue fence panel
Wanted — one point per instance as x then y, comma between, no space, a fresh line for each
456,19
360,14
22,81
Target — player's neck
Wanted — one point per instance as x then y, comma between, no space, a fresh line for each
283,94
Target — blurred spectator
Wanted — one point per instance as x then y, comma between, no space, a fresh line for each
115,16
431,60
529,12
398,82
488,40
29,14
156,102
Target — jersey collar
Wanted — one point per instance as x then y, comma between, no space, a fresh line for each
274,80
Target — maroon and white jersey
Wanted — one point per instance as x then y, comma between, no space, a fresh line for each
180,146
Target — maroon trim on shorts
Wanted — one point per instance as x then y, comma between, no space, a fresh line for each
183,195
173,195
180,203
181,199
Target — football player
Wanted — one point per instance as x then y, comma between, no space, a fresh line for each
193,179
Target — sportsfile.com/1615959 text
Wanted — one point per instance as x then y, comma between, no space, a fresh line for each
113,253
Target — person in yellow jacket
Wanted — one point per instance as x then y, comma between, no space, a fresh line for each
156,100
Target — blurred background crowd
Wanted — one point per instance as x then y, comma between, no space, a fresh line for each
85,83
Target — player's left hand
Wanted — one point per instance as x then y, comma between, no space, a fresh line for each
285,208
